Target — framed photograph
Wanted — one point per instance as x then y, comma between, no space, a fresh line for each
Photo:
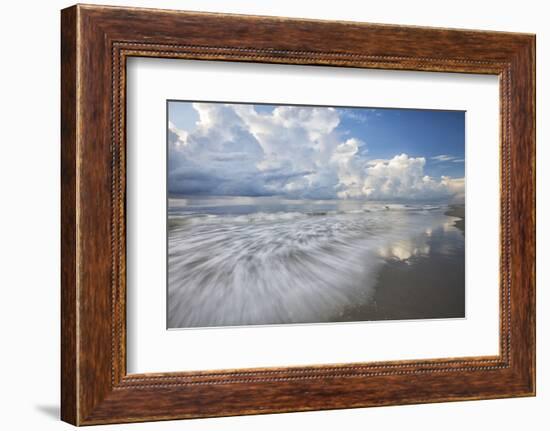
264,214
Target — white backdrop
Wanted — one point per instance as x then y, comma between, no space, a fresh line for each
29,224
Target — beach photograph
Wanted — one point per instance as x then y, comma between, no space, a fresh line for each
295,214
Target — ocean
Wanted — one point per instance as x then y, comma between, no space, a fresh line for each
235,261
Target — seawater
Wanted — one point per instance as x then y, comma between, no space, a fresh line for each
257,261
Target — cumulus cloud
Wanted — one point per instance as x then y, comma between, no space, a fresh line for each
403,178
296,152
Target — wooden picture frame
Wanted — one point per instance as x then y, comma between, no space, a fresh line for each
95,43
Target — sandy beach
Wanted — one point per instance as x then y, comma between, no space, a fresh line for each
457,211
422,287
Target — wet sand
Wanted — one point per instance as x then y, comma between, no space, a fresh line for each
415,290
422,287
457,211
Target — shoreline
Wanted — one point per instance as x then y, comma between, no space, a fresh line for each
419,288
418,276
458,210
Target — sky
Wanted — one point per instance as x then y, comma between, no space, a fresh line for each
309,152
